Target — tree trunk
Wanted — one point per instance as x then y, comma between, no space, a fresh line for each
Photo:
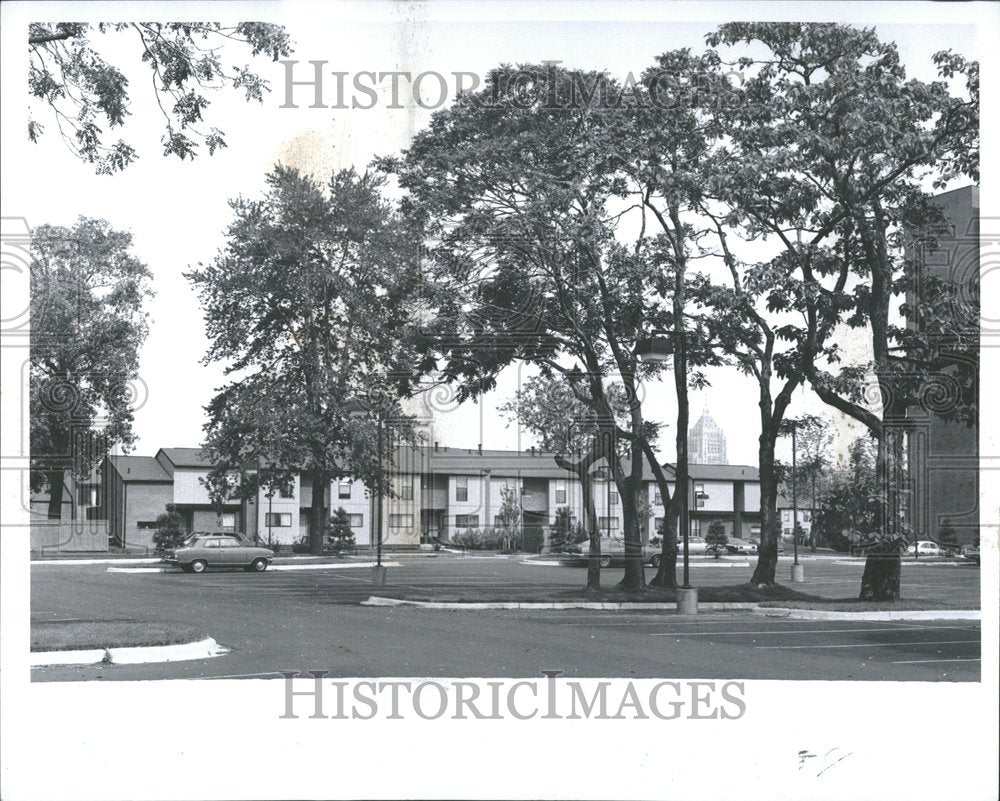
666,573
56,480
317,514
770,530
880,581
812,516
593,530
635,575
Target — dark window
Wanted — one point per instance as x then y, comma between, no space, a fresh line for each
462,488
657,498
285,491
608,523
613,498
560,492
344,489
278,519
145,524
406,489
467,521
400,521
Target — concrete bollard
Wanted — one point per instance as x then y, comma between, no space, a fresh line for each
798,573
378,575
687,601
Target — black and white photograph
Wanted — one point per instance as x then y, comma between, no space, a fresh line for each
442,399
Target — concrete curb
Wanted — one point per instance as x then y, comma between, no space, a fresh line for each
860,562
754,608
914,614
136,655
331,566
128,561
376,600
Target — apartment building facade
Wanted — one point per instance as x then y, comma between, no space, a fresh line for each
436,492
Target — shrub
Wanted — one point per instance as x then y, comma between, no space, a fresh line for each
170,531
717,536
340,536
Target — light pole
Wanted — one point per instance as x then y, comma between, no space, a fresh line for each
361,411
798,572
659,348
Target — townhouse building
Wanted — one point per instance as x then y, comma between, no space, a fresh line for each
436,492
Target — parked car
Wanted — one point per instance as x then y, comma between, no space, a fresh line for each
613,550
926,548
738,546
200,551
972,553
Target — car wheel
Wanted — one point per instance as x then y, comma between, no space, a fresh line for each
186,568
655,561
259,565
198,566
605,561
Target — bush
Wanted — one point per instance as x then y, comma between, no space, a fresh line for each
488,539
717,536
340,536
170,531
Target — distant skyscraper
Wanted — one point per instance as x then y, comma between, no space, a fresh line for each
706,442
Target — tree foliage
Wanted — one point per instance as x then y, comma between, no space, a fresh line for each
85,94
88,325
341,535
170,531
309,307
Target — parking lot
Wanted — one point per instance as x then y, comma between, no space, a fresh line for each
292,620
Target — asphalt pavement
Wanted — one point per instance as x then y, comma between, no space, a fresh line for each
311,620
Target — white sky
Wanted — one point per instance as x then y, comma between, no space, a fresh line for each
177,211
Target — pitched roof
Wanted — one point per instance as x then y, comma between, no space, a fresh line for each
185,457
724,472
139,468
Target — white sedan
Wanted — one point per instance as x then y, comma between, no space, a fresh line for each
926,548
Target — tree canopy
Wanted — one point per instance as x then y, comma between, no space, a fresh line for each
86,95
87,328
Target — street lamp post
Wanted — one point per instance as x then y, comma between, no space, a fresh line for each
798,572
659,348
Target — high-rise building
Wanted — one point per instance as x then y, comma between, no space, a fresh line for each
944,455
706,441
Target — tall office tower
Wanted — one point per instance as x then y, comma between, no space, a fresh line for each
706,442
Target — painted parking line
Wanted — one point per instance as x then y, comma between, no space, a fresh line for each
870,645
926,661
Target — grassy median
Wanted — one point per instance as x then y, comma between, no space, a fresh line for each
85,634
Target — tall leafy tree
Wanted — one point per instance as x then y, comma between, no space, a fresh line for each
519,187
837,146
84,93
87,327
308,307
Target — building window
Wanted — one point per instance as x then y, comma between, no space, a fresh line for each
400,521
426,481
343,489
462,488
695,528
560,492
357,521
406,489
608,523
277,519
699,490
145,524
657,498
466,521
87,495
229,522
285,491
613,498
657,525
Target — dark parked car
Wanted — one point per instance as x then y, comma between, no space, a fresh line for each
201,551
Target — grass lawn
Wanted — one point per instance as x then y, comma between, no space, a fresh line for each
83,634
737,593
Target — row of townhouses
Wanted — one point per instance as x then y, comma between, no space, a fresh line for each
437,491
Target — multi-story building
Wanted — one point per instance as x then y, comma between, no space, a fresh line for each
943,456
436,492
706,442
